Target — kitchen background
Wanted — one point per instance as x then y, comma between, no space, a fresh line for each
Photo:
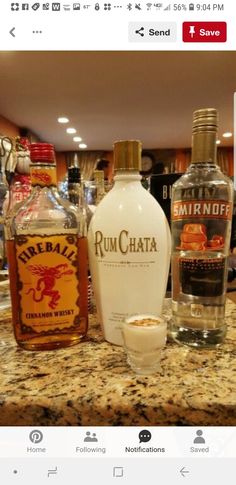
117,95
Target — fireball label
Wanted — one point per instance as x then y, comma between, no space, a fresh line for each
48,282
43,176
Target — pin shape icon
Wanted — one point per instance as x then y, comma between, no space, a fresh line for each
192,31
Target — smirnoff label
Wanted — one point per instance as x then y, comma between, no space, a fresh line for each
208,209
47,274
201,225
124,243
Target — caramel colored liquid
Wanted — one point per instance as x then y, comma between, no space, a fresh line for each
53,340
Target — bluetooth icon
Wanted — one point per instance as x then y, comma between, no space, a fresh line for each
36,436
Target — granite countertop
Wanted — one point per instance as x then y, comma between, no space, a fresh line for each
91,384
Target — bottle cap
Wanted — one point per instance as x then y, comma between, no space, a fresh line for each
205,127
205,120
42,152
127,155
24,142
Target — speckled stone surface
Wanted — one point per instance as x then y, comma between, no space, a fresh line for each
91,384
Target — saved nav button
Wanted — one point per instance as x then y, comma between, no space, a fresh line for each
152,32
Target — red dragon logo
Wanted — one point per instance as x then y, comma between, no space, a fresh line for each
47,281
42,177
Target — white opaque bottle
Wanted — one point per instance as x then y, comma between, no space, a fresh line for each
129,247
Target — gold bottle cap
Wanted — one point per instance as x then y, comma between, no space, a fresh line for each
205,127
205,120
127,155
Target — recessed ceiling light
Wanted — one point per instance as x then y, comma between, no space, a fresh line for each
71,131
227,134
218,142
82,145
62,120
77,138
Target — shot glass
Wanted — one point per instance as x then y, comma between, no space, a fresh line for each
144,338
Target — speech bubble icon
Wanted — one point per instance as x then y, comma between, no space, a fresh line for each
144,436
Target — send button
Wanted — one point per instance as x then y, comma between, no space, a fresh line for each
152,32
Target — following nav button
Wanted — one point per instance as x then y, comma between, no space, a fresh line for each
152,32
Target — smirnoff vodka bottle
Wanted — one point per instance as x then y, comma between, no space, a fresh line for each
129,247
202,202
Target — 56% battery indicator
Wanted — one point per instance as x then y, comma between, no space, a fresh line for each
180,7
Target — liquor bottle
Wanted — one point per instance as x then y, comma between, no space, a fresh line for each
18,178
129,247
3,192
202,202
47,264
100,186
74,185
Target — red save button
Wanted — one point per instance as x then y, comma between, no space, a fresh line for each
204,31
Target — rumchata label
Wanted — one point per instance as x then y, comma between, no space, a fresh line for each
123,243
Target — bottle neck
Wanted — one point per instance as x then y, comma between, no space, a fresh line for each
75,192
127,176
100,188
43,175
204,148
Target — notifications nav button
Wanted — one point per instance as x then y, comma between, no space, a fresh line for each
204,31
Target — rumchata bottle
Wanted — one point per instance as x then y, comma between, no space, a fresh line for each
129,247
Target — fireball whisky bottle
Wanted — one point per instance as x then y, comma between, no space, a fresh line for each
47,258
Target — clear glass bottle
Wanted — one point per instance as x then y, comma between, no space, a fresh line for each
100,186
3,192
74,185
129,247
201,214
47,264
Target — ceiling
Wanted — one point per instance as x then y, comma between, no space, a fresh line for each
116,95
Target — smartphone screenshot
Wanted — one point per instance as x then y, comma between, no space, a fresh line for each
117,242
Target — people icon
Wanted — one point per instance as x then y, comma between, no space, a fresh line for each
199,438
89,438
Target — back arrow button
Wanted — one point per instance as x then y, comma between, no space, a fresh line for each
184,471
12,31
